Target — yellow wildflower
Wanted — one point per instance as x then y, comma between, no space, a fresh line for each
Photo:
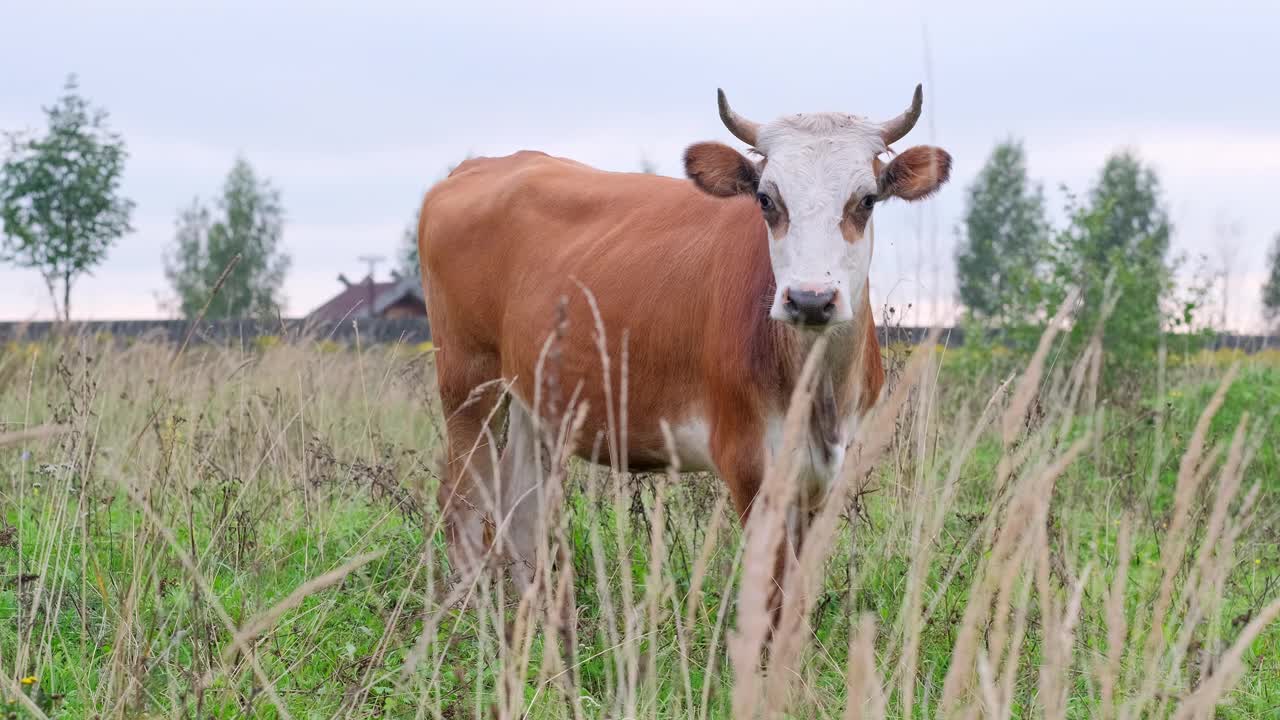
29,680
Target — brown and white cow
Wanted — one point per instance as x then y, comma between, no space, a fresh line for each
719,286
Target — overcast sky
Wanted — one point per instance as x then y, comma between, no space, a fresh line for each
353,109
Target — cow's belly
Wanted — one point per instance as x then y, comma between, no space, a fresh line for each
647,449
693,444
648,406
818,467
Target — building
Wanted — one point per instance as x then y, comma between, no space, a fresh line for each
399,297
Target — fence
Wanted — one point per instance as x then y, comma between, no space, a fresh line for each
371,331
413,331
954,337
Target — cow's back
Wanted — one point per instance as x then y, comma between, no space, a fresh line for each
511,246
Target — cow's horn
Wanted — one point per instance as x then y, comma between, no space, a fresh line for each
742,128
894,130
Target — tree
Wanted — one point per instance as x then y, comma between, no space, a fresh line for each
250,224
409,248
1002,240
1116,245
60,201
1228,232
1271,289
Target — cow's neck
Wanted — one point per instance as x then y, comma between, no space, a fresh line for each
851,372
846,384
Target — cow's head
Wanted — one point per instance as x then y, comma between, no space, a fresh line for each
819,178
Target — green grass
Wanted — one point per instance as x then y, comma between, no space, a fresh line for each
253,471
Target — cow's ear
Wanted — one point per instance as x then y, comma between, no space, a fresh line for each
720,170
916,173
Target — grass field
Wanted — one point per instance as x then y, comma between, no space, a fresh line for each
252,532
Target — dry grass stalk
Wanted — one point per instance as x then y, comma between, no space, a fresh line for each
1029,498
263,622
245,651
928,525
1191,475
1026,388
1108,668
865,697
764,536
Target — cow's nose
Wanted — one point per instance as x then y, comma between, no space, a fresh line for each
809,307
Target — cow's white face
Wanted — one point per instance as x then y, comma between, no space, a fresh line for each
817,186
816,190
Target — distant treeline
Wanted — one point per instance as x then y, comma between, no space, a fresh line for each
413,331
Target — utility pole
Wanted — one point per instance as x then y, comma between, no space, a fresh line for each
372,261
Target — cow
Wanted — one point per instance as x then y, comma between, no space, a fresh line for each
713,290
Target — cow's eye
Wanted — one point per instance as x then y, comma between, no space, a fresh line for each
868,202
766,202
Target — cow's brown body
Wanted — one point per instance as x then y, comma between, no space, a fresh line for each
683,276
710,294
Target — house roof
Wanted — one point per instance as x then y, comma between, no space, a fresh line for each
357,300
408,286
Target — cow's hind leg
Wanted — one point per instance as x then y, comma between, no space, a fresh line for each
467,497
522,474
532,505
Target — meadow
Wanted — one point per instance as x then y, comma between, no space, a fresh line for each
250,530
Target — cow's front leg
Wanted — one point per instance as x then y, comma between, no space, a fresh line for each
740,464
739,458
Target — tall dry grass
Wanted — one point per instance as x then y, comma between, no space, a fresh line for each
195,534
